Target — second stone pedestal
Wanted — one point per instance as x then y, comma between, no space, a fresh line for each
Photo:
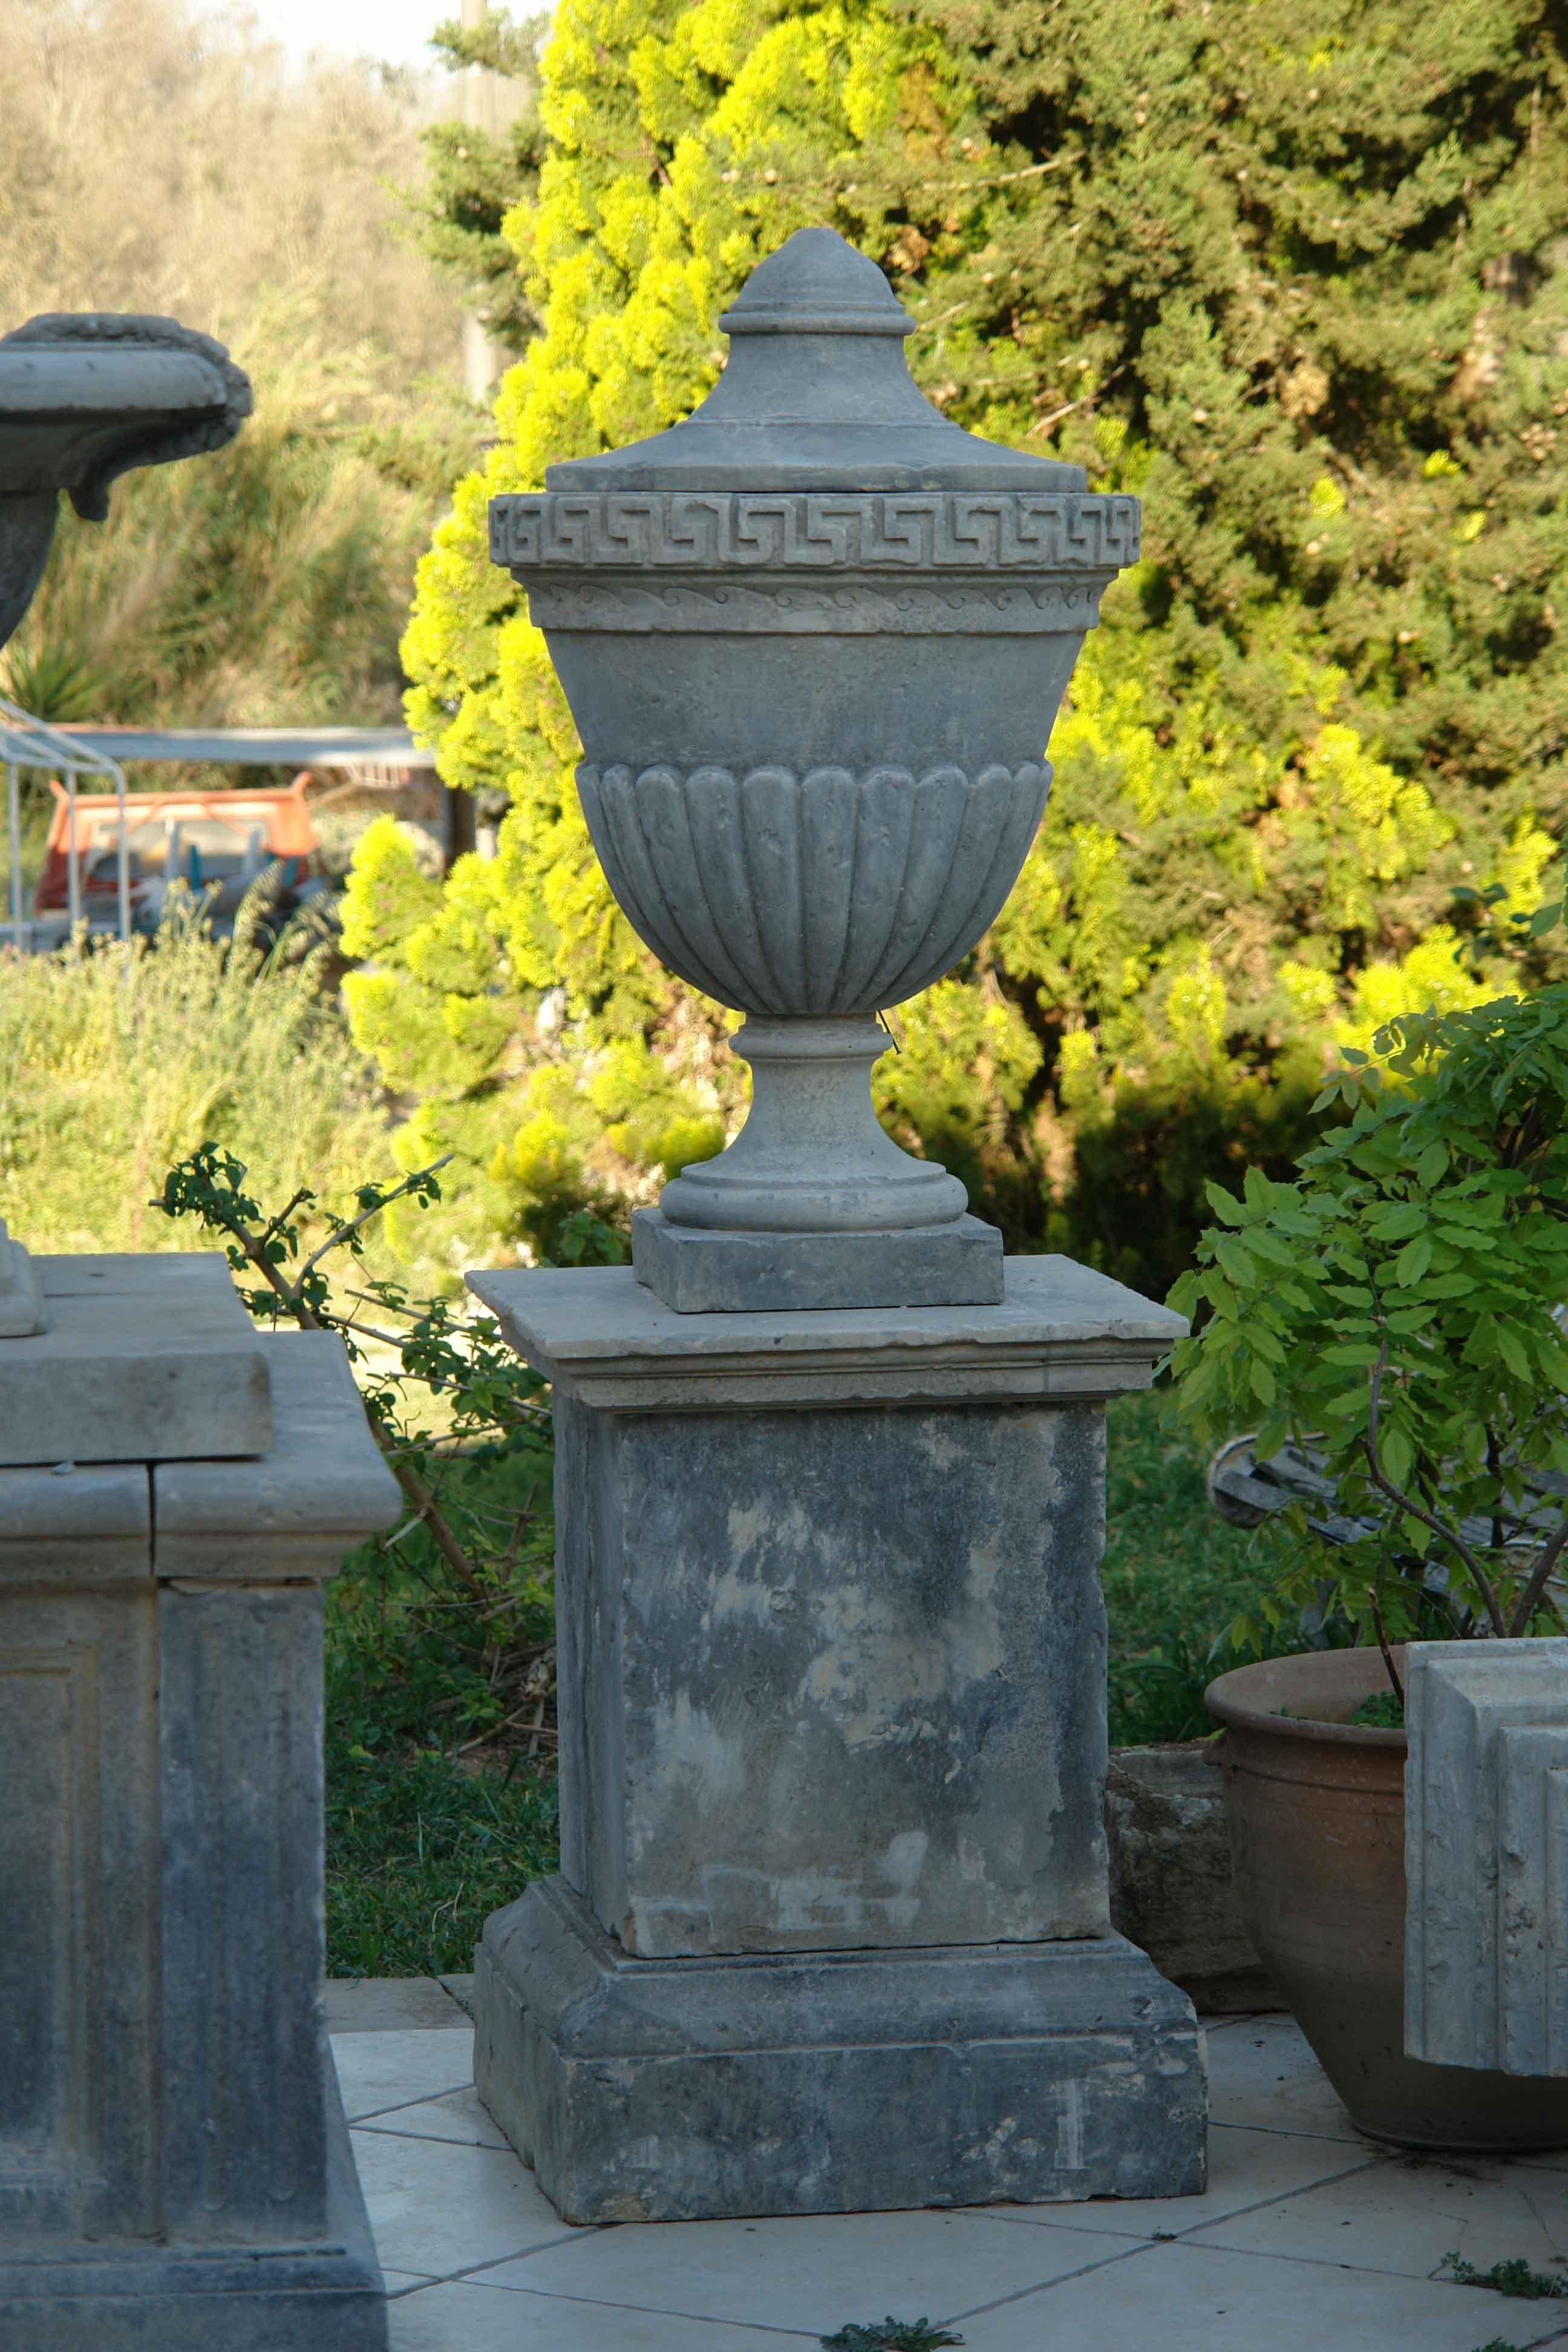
832,1930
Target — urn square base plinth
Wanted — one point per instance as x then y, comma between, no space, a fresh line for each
834,1929
699,1270
832,2081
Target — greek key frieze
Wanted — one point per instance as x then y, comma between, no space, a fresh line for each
739,531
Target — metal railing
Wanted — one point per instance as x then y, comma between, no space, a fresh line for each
28,742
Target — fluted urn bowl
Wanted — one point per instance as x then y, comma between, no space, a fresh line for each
814,639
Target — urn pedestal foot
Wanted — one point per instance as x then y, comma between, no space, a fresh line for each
843,2081
814,1204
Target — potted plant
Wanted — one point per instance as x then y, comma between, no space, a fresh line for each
1394,1312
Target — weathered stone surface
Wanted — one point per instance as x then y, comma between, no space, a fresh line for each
1170,1888
700,1270
321,2295
1485,1963
101,1525
1061,1331
834,2083
855,1664
144,1360
174,2167
242,1519
832,1715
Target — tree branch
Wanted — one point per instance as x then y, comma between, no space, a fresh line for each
1408,1503
345,1233
1529,1598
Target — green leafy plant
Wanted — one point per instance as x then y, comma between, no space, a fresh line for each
1384,1711
1396,1309
1513,2277
435,1355
891,2336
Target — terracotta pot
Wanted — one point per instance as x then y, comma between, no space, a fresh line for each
1315,1807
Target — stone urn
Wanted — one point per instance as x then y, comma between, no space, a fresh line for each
814,639
86,397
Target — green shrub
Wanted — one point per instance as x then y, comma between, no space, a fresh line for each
117,1062
1290,274
1397,1309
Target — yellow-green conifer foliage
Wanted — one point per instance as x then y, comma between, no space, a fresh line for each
1241,257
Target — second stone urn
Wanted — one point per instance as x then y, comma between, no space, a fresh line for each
814,639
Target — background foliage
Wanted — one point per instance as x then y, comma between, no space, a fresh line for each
1291,269
114,1066
159,158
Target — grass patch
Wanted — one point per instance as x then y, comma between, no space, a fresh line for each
1174,1575
419,1851
437,1812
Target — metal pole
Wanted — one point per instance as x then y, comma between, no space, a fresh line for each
14,811
122,862
73,879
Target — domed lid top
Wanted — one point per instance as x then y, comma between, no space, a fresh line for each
816,396
817,284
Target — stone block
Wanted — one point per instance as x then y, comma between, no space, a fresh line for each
1060,1330
242,1519
144,1360
832,2083
837,1679
701,1270
174,2170
77,1519
1171,1893
1486,1975
832,1706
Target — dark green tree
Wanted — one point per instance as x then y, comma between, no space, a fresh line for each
475,176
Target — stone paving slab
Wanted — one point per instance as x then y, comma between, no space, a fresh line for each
472,2318
377,2071
1307,2237
807,2275
1405,2215
1198,2299
383,2004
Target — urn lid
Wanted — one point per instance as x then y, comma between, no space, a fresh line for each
816,396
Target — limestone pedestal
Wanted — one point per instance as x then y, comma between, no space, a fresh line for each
832,1931
176,2173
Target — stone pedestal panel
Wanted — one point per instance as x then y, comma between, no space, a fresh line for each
838,2083
857,1663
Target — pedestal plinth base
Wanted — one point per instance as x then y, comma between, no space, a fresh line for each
319,2296
832,2081
702,1270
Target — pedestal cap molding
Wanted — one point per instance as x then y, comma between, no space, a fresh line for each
1062,1333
